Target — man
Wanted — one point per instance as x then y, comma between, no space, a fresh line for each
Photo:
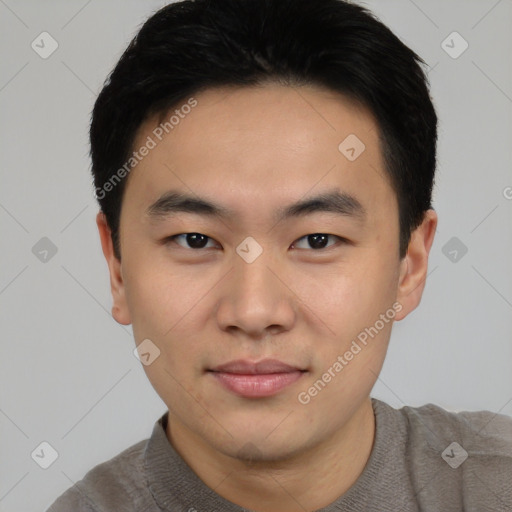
264,170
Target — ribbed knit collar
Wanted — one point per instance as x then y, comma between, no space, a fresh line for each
176,487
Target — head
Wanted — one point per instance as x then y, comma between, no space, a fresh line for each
295,142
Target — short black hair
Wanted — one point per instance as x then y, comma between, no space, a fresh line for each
193,45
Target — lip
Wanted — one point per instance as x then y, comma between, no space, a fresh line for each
265,366
256,379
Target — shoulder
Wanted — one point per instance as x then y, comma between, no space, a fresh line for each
110,486
466,455
485,433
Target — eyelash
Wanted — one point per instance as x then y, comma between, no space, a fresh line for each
172,239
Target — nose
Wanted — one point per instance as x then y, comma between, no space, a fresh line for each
255,299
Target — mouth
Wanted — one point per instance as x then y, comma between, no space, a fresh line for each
256,379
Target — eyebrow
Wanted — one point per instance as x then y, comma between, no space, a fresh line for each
333,201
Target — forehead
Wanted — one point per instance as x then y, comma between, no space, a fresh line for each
261,145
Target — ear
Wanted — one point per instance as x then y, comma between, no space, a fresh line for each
119,308
413,267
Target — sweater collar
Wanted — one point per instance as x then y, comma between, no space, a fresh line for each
175,487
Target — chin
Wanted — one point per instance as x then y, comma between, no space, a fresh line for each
262,445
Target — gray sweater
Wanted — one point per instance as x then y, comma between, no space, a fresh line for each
423,459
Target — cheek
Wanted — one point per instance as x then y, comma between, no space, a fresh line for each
158,295
350,301
168,308
150,304
356,291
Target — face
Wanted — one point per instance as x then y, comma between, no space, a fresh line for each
259,280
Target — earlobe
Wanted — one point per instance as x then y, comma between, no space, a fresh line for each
120,310
414,267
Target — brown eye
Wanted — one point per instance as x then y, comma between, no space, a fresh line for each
192,240
317,241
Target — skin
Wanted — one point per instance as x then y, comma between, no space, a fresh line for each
254,150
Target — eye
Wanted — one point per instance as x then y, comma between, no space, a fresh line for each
194,240
318,241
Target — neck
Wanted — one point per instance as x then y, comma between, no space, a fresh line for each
310,480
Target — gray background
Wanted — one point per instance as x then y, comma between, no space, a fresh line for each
68,374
